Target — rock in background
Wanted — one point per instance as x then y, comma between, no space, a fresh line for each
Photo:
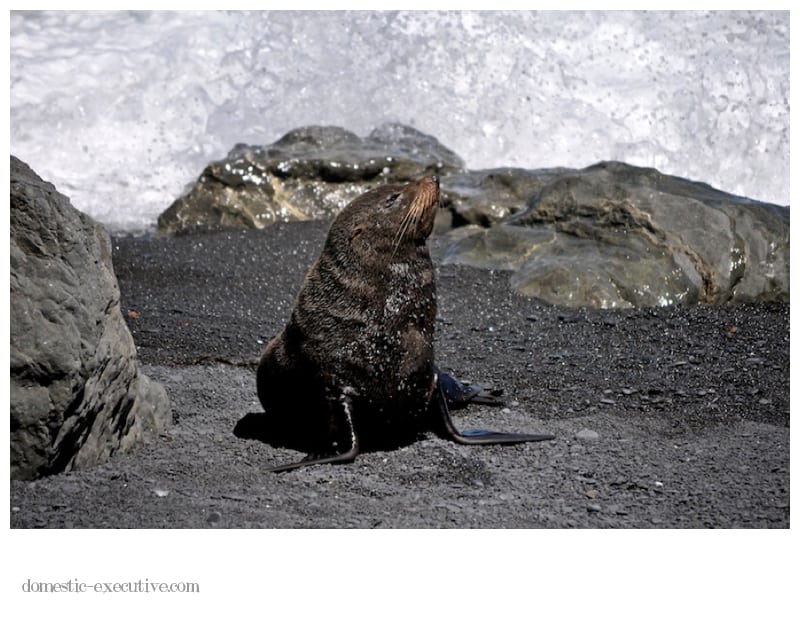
614,235
77,395
609,236
310,173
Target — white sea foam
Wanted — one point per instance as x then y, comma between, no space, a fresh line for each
121,110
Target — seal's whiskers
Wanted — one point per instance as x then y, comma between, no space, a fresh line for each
411,217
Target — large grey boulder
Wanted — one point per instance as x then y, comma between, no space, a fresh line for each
310,173
615,235
77,395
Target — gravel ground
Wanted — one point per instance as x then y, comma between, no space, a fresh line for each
664,418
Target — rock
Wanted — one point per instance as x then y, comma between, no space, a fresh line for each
313,172
609,236
614,235
310,173
485,197
77,395
587,435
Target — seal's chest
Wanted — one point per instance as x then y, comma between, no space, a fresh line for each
394,413
409,291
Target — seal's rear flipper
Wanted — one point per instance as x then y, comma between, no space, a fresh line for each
489,437
459,395
445,428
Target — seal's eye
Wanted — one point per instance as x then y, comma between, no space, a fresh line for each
391,199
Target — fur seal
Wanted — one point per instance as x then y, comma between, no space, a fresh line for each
354,369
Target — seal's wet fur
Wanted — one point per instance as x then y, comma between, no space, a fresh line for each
354,367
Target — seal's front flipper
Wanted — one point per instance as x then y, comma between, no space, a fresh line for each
342,427
342,458
445,427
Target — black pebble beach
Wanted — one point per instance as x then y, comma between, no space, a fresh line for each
671,417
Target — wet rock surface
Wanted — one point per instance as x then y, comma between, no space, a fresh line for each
77,395
614,235
664,417
485,197
609,236
310,173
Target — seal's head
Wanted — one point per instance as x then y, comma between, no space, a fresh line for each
387,223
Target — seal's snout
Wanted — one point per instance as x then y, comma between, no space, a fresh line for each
435,181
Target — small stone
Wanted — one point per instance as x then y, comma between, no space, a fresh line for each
592,508
592,493
587,435
765,401
214,517
159,492
607,401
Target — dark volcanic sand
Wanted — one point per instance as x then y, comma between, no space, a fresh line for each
690,407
